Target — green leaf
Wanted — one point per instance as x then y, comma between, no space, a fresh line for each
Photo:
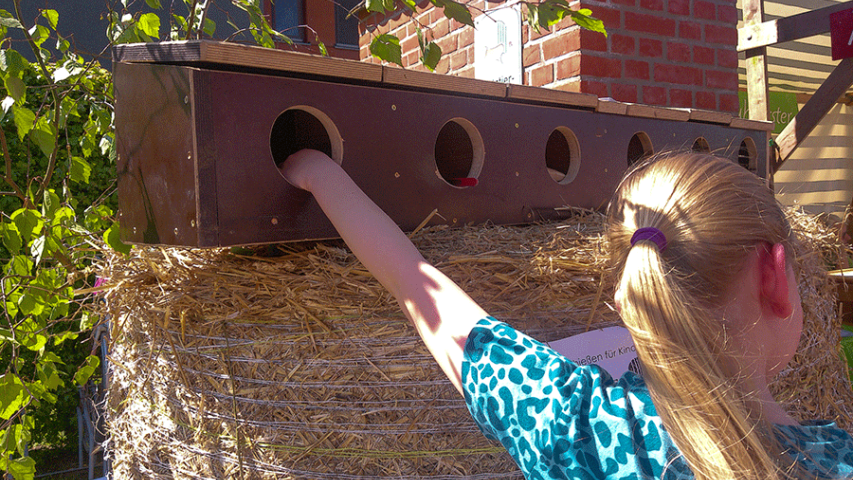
155,4
584,19
86,371
58,339
410,4
12,395
387,47
39,33
21,266
52,17
112,238
11,238
20,468
87,321
149,23
8,21
50,357
44,135
62,44
28,221
455,11
16,88
50,204
430,52
323,50
209,27
22,439
375,6
24,120
80,170
97,217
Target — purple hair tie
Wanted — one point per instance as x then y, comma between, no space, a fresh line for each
650,233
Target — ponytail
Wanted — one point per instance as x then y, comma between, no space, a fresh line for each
708,209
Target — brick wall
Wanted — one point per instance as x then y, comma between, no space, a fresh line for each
677,53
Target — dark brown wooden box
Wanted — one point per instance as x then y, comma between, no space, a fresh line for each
201,125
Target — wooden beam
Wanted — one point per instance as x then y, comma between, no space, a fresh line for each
814,110
756,76
786,29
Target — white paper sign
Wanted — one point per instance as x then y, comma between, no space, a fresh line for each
610,348
497,46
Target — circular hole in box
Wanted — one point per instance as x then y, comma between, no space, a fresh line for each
459,153
562,155
302,127
639,147
701,146
747,155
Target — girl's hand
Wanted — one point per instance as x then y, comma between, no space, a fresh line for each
304,167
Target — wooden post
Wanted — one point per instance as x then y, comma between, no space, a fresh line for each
756,74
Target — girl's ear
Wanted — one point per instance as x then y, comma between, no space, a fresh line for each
774,279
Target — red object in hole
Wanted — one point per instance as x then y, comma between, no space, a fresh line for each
464,182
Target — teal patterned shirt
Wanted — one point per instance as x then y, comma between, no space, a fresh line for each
560,420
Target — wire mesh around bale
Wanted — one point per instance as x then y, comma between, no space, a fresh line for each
301,365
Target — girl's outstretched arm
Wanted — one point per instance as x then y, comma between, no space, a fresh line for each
442,313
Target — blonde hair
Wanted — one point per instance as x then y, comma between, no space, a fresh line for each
712,213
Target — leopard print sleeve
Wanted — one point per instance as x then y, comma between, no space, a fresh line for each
560,420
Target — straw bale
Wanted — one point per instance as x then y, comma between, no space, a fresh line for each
302,366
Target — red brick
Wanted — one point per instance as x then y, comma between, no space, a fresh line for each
727,13
650,48
409,44
443,65
596,88
724,80
611,17
729,103
593,41
559,45
652,5
573,86
536,36
724,35
678,52
411,58
623,44
704,10
531,55
636,69
704,55
680,98
466,37
679,7
601,66
441,28
706,100
448,44
689,30
679,74
727,57
653,95
467,73
542,75
640,22
627,3
568,67
458,60
623,93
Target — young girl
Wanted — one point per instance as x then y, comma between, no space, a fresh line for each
706,286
